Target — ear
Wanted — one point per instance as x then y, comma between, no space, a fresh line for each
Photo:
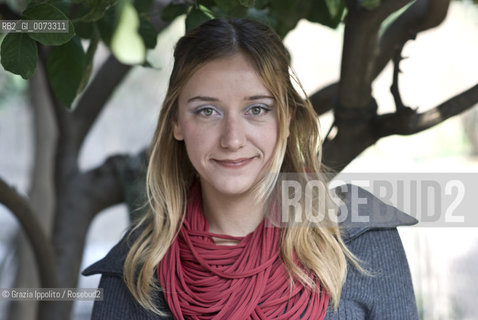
177,131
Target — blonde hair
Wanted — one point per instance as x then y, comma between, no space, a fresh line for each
318,247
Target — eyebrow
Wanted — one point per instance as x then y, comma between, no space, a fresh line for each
202,98
259,97
206,98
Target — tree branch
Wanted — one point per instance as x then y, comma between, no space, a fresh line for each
111,74
83,197
359,51
42,248
61,117
394,89
405,122
94,99
323,100
354,107
361,63
103,185
420,16
66,158
347,145
409,122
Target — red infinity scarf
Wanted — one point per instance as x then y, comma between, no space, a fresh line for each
203,280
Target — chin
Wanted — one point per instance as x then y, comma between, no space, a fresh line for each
233,186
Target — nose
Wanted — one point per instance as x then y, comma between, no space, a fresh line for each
234,135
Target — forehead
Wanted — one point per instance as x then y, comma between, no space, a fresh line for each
234,74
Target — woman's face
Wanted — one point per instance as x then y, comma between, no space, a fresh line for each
228,121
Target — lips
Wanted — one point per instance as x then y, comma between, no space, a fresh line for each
234,163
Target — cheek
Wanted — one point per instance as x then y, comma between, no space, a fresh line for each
199,141
266,137
188,130
272,141
198,136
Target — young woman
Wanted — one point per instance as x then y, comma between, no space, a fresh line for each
218,242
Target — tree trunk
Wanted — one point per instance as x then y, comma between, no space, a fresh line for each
41,191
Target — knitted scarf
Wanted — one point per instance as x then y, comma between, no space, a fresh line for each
204,280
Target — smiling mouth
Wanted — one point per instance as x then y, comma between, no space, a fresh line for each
234,163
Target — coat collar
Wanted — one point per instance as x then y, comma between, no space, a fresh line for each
361,211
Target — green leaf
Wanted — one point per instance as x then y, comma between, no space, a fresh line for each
319,13
207,3
46,11
148,33
370,4
227,5
173,10
106,26
90,54
126,44
260,4
232,8
260,15
247,3
66,65
143,6
287,14
333,6
93,10
197,16
84,29
62,5
19,54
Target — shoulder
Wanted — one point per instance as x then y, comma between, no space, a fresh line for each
112,263
360,211
369,229
118,302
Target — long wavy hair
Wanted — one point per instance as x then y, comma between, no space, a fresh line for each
318,247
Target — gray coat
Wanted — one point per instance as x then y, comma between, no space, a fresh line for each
387,294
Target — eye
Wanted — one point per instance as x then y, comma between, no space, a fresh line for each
206,111
258,109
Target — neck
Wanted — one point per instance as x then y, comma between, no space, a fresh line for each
236,215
